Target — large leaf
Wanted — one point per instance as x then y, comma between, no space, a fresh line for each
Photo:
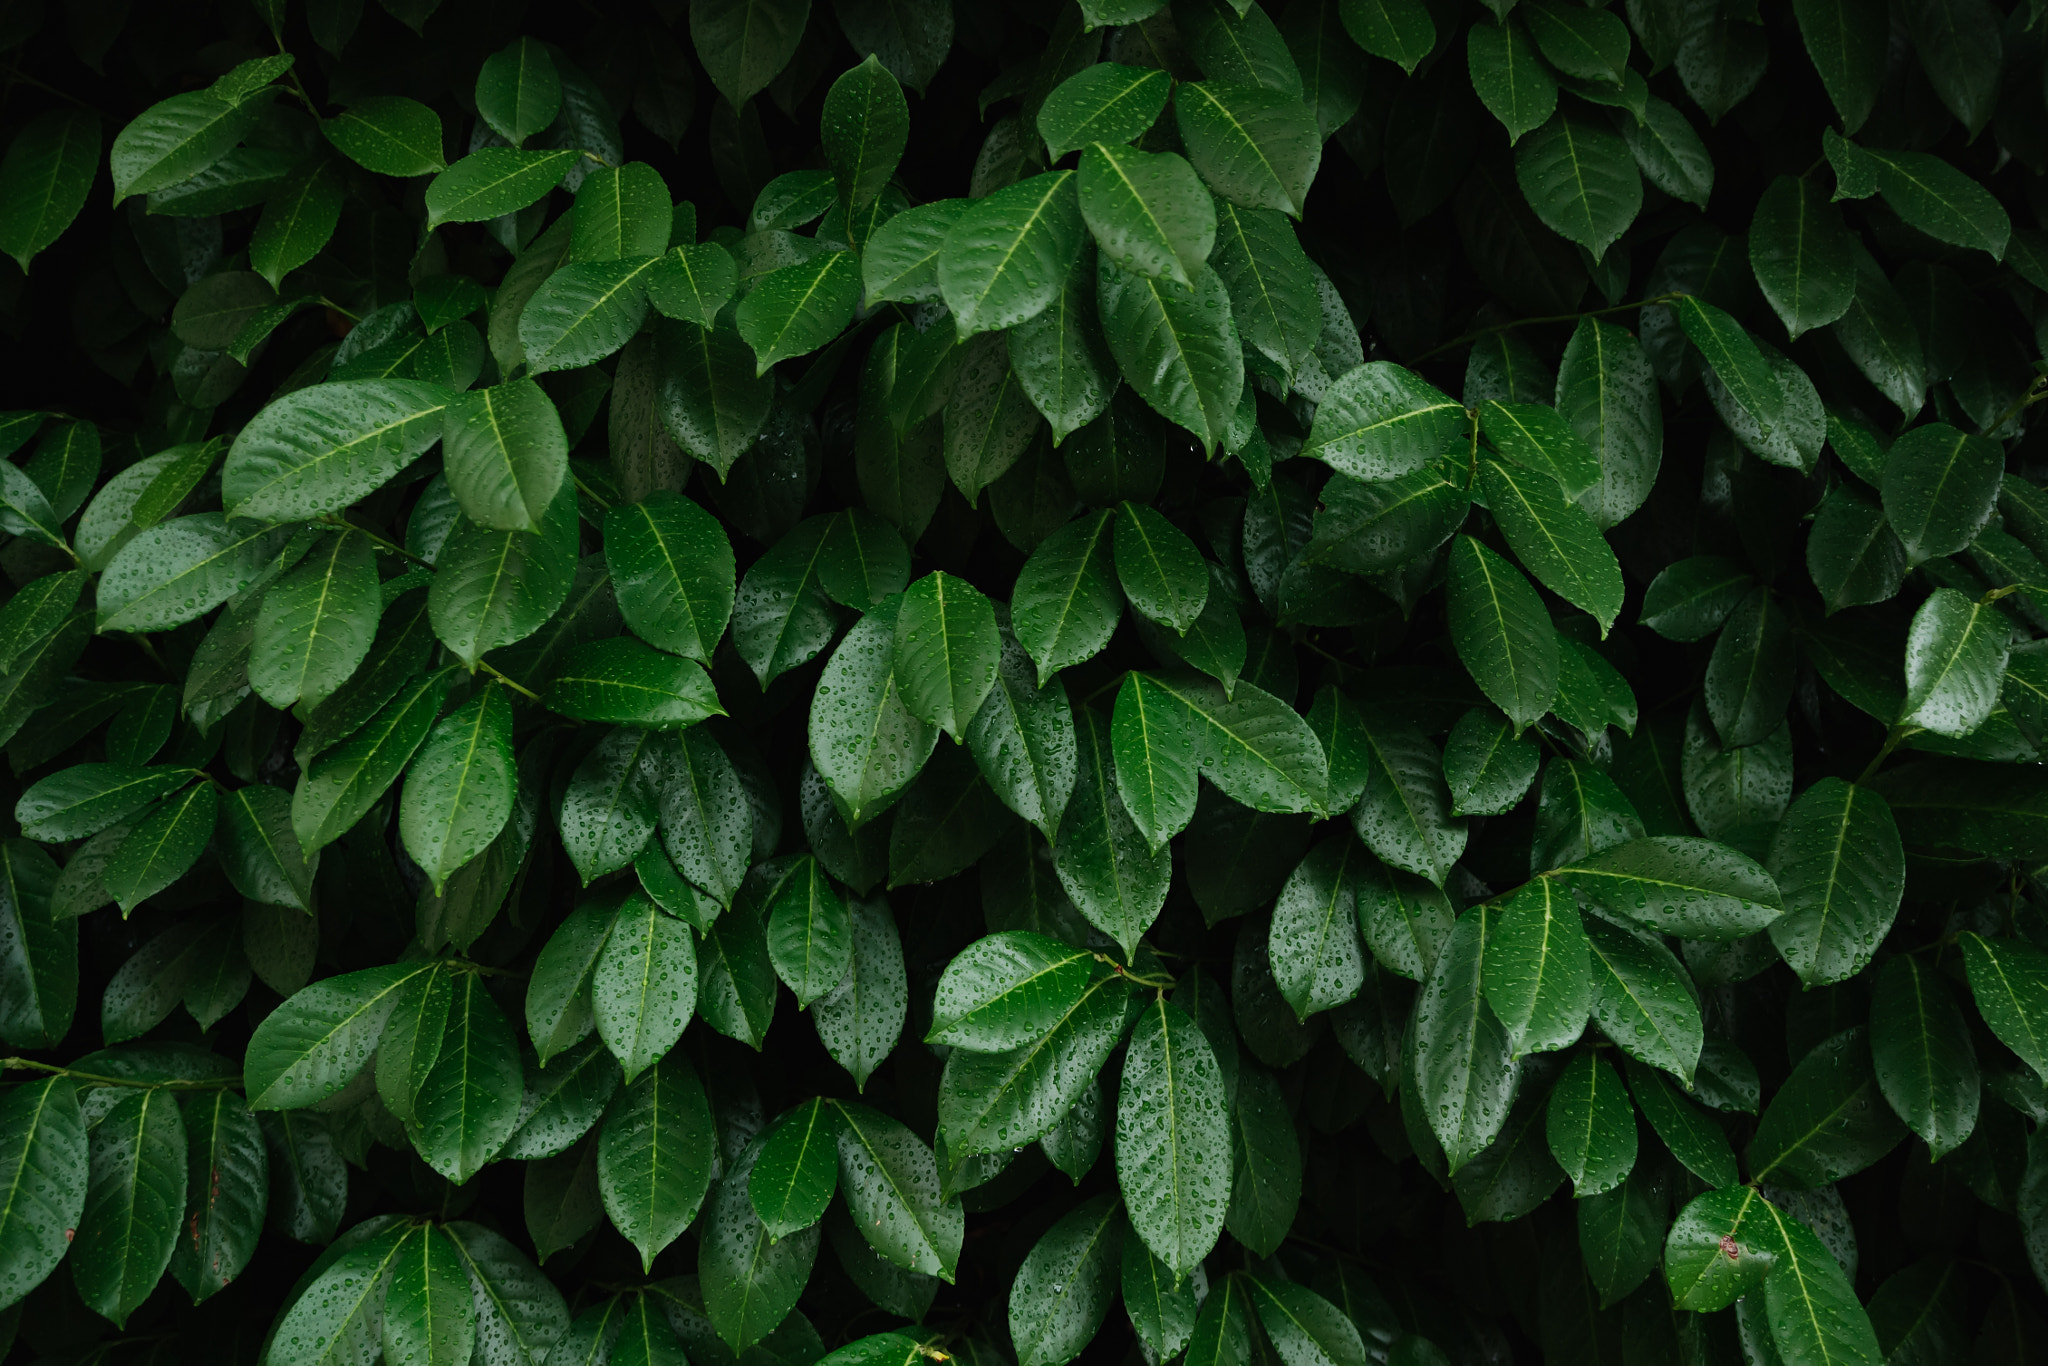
1177,346
1005,256
673,569
1258,148
319,449
43,1163
1680,885
655,1156
1841,874
1920,1049
1502,632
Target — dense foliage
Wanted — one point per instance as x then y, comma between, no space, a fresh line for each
717,681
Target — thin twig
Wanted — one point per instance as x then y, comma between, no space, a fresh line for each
335,519
514,684
96,1079
1455,342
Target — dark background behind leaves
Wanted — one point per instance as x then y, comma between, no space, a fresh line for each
1844,572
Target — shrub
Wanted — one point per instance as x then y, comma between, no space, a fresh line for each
718,683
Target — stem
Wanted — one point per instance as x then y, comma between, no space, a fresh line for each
514,684
17,74
592,494
388,547
326,302
1891,742
2034,393
1554,318
95,1079
150,650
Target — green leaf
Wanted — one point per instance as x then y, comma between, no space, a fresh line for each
1643,999
259,851
317,450
25,510
1462,1068
1538,439
518,1310
712,401
1106,103
429,1316
1827,1121
468,1101
297,223
1177,347
87,798
674,573
1223,1327
226,1189
990,1102
2009,982
1590,46
1006,255
45,178
901,261
799,308
1921,1052
861,1019
1103,860
163,846
1940,488
505,455
315,626
1486,766
1555,538
1148,212
563,1102
493,182
1256,148
134,1203
797,1171
865,126
1508,78
1580,177
1852,553
1749,676
946,651
644,986
1161,571
1691,1134
810,932
864,741
1939,200
346,781
1722,1246
1803,257
1064,1288
180,570
750,1279
692,283
1271,283
1538,973
624,682
316,1042
655,1156
782,617
1679,885
1066,603
38,951
1405,919
1404,812
1153,740
707,827
1399,30
340,1311
744,43
1735,359
1023,740
1956,654
1304,1327
177,138
389,134
1591,1126
892,1190
518,91
1380,422
1841,873
44,1162
1847,46
1314,949
1161,1305
1501,632
584,312
459,792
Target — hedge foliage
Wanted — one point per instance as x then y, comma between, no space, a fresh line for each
742,682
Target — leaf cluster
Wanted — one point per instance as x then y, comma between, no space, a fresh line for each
1343,682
